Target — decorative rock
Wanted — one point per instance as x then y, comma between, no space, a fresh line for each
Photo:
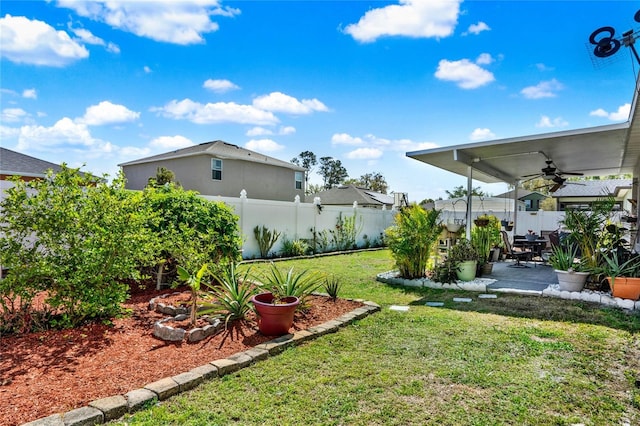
487,296
591,297
241,358
434,304
278,344
195,335
257,354
139,399
608,300
637,305
180,317
625,303
112,407
576,295
207,371
83,416
188,380
164,388
463,299
165,332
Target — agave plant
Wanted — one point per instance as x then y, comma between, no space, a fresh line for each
290,283
233,291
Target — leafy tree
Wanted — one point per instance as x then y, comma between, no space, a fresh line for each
192,230
163,176
332,172
313,188
461,191
306,159
76,238
373,181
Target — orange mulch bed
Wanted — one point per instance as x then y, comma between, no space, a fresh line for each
55,371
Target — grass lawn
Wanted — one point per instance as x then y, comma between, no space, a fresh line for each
514,360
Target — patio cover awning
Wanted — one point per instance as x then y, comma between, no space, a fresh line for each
595,151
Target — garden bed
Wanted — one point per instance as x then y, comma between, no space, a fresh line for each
55,371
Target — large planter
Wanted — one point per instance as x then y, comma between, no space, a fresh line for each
467,270
453,227
625,287
571,280
274,319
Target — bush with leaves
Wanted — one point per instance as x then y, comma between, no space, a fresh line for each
191,230
233,291
76,237
343,236
291,248
412,239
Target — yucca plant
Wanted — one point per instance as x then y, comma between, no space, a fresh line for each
233,291
290,283
266,239
332,286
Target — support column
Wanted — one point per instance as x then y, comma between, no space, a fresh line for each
515,207
469,199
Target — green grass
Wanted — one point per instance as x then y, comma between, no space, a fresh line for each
514,360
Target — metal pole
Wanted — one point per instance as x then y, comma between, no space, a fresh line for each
469,199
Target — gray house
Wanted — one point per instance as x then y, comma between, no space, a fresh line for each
531,199
580,195
14,163
220,168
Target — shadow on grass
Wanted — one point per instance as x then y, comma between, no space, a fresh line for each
537,307
534,307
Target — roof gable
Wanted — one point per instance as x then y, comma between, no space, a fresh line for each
217,149
347,194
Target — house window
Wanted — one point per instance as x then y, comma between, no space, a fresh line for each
216,169
527,204
299,179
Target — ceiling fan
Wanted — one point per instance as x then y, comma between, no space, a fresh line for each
552,173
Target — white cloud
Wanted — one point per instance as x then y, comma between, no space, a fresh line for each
544,89
178,22
220,112
258,131
464,73
30,94
543,67
364,154
410,18
87,37
345,139
481,134
220,86
287,130
37,43
547,122
7,133
13,115
279,102
484,59
168,143
263,145
147,69
108,113
477,28
622,114
64,132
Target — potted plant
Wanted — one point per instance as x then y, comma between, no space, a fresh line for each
482,220
465,257
571,273
622,270
288,291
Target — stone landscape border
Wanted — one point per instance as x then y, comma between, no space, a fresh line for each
480,285
113,407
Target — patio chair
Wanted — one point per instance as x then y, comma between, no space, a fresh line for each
516,253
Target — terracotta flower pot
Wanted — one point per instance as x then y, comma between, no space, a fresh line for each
274,319
625,287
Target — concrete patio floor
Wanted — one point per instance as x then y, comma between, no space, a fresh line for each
536,277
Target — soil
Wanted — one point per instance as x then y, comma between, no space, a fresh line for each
58,370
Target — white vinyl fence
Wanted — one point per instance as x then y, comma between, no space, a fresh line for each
298,220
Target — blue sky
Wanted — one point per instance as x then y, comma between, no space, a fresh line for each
105,82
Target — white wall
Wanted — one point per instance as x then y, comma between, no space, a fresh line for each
296,220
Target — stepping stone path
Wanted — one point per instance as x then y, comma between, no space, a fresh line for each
487,296
434,304
463,299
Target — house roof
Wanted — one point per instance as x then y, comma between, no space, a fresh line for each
14,163
217,149
522,193
347,194
595,151
593,188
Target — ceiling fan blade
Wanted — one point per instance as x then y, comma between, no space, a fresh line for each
571,173
531,175
557,186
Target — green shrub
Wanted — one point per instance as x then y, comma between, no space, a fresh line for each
412,239
266,239
291,248
76,237
191,230
343,236
332,286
